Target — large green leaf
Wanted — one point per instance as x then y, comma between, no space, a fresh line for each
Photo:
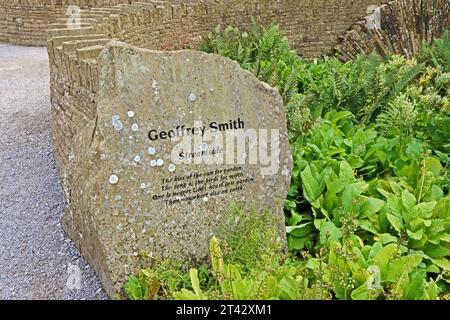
403,265
395,221
436,251
289,287
346,172
300,230
371,206
442,263
433,165
134,289
415,235
329,232
408,199
351,194
424,209
386,238
384,255
415,290
311,186
361,293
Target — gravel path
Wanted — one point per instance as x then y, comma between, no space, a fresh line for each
37,260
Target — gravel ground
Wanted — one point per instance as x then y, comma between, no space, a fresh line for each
37,260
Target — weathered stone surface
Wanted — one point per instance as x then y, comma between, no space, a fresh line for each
114,178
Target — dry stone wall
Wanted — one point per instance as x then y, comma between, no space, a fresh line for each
25,22
396,27
312,26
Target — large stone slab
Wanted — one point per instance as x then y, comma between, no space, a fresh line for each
178,137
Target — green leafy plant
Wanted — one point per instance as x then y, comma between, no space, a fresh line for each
437,54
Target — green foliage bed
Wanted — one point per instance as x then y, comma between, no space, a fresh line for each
368,211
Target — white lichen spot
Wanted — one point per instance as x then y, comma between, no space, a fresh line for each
144,69
192,97
134,127
205,199
132,220
159,162
204,146
151,151
143,185
156,91
117,124
137,159
153,163
118,197
113,179
211,89
172,167
119,227
286,172
130,114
